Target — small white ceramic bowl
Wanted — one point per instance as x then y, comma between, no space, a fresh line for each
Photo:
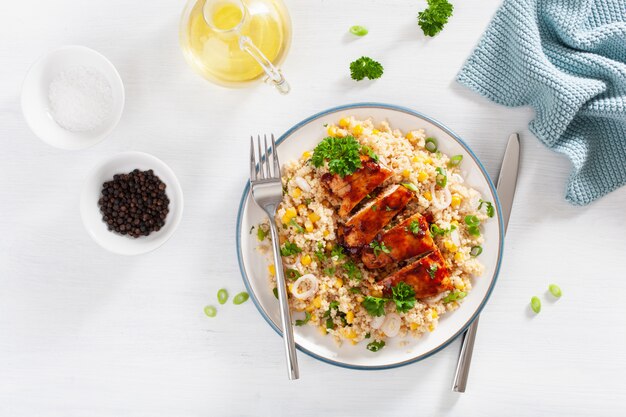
36,105
124,163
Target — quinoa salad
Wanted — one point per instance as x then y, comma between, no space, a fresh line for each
380,235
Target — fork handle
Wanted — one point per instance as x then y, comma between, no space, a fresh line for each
285,315
465,358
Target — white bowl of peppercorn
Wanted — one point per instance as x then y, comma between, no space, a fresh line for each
131,203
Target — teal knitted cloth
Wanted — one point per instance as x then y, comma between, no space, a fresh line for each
566,59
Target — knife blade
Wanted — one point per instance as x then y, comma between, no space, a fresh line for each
507,181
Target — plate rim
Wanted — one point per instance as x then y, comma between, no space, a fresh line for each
461,142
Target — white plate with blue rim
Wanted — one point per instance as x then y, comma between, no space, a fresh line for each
398,352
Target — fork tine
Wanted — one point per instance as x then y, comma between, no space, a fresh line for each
252,160
260,170
275,157
267,158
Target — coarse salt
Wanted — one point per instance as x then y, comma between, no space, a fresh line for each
80,99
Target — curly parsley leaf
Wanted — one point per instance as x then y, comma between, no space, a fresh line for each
376,345
290,249
379,247
374,305
352,270
342,155
365,67
433,18
433,270
307,317
403,296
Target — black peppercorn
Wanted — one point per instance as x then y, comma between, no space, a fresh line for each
134,204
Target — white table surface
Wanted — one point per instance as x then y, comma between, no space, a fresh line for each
87,333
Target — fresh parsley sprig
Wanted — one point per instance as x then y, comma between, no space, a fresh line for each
290,249
341,154
374,305
379,247
403,296
365,67
433,19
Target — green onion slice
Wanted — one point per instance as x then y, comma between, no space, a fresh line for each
222,296
555,290
535,304
431,145
241,298
455,160
358,30
472,220
441,178
476,250
210,311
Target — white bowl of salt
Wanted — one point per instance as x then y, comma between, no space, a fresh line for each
72,97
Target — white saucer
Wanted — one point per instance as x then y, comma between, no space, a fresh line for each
124,163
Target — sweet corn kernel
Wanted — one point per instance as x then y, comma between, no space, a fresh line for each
360,299
313,317
306,260
428,160
329,246
317,302
459,257
344,122
428,196
375,131
271,269
331,130
313,217
296,193
322,329
354,342
377,293
338,283
433,313
431,327
326,233
406,173
290,213
310,308
324,287
350,334
456,201
450,245
301,207
308,226
349,317
422,176
416,158
459,285
413,326
357,130
410,136
290,287
306,155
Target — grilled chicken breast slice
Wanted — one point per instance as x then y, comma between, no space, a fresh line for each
408,239
353,188
428,276
362,228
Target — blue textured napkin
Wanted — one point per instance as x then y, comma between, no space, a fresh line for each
566,59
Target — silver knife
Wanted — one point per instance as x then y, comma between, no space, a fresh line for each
507,180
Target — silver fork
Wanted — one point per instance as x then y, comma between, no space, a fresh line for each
267,191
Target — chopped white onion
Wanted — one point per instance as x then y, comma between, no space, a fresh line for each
392,323
377,322
303,184
443,200
454,237
457,178
311,280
